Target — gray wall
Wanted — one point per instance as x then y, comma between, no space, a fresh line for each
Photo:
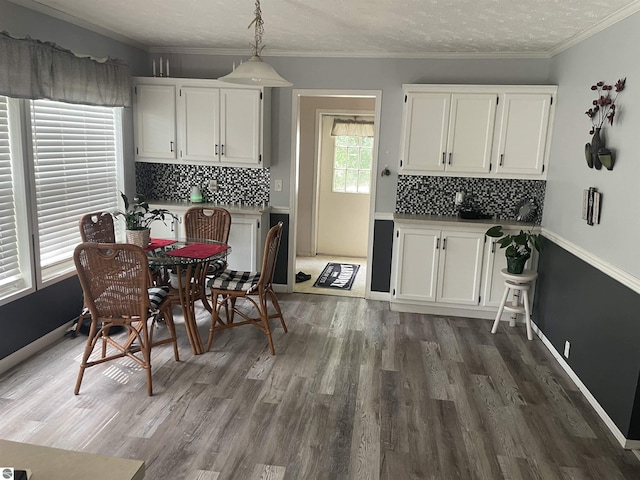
29,318
387,75
607,56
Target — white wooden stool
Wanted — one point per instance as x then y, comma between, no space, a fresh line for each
519,284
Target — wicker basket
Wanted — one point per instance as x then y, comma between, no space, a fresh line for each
139,237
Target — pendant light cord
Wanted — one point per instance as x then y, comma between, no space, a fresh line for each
256,49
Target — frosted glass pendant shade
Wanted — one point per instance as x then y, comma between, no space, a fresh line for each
256,72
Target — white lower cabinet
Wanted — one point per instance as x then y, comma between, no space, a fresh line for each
249,227
447,267
246,246
440,266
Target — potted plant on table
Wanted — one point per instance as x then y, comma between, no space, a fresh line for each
518,246
138,218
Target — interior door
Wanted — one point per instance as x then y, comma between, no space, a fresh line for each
343,218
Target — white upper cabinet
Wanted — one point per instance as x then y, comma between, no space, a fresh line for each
523,133
199,119
471,124
426,124
216,125
240,123
155,133
476,130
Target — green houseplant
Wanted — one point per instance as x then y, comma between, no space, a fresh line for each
518,246
138,218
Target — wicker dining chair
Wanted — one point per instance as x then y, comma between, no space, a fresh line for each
208,223
96,227
256,287
115,282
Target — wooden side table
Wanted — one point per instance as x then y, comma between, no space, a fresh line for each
519,284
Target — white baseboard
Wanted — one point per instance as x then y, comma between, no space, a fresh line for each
624,442
34,347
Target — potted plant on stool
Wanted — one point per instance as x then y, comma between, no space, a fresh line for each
138,218
518,246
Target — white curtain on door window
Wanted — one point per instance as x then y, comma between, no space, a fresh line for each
352,128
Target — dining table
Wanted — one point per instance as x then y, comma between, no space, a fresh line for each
188,260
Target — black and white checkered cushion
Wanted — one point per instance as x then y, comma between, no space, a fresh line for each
157,295
235,280
216,267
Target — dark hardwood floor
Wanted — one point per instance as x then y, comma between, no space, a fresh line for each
354,391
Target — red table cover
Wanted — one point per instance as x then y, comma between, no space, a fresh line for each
198,250
158,243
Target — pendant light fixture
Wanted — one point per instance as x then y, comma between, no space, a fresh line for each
255,71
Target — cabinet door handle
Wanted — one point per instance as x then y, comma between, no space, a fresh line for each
450,155
444,157
444,243
437,243
216,149
493,247
222,149
501,159
171,145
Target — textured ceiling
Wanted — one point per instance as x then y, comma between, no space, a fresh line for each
347,27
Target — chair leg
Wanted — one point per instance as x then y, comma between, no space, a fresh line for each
168,319
145,349
264,316
276,305
85,356
215,316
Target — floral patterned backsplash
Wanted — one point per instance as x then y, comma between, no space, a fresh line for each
430,195
170,182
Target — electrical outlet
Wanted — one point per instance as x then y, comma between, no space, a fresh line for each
278,185
213,185
567,345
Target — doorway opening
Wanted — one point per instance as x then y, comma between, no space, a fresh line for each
335,171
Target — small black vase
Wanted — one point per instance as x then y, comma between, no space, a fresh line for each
597,143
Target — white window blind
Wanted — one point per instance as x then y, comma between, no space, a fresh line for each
9,259
75,152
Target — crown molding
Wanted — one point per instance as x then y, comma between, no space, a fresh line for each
323,54
597,28
60,15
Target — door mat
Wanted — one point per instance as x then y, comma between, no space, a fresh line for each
337,275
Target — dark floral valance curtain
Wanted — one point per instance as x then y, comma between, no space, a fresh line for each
35,69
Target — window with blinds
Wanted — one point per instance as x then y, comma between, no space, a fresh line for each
10,272
76,150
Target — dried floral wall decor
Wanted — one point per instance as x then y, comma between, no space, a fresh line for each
603,109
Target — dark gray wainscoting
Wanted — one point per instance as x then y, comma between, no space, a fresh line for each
25,320
280,275
381,261
599,316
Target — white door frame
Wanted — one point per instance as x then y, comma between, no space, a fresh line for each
296,94
320,113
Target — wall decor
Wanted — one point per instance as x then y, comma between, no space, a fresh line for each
591,201
603,109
